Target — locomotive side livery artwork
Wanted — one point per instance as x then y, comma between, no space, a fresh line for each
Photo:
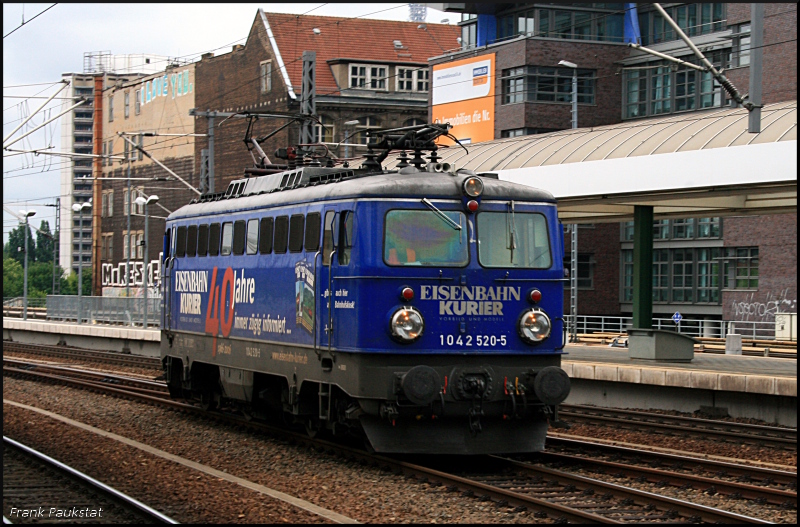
419,309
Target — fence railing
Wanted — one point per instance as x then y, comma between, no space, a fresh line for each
104,310
19,301
690,327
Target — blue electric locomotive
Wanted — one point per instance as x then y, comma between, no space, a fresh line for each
420,308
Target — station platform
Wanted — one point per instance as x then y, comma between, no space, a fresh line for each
101,337
763,388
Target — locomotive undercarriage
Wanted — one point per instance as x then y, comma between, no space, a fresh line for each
419,404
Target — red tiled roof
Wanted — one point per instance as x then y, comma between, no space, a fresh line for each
354,38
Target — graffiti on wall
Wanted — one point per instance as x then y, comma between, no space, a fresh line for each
176,84
121,276
751,309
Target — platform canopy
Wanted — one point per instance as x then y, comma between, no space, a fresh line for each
683,165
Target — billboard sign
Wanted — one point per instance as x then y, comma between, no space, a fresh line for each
463,95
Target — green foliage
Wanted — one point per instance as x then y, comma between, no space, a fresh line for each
44,243
12,278
16,238
70,285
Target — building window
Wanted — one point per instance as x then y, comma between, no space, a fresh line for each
139,237
693,19
111,108
423,79
546,84
708,227
127,105
323,133
660,275
126,241
126,201
708,275
682,275
139,209
740,54
659,87
108,204
683,229
627,275
741,268
365,124
266,76
469,35
660,230
585,271
368,76
405,79
137,103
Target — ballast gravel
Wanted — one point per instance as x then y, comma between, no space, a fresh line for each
364,493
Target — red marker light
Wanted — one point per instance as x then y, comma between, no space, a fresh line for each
472,205
535,296
407,294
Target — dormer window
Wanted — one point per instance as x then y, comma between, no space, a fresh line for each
412,79
368,76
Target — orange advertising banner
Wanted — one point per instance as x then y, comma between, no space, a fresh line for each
463,95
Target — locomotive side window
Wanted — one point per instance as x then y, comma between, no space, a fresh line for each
265,244
296,224
227,238
345,236
513,239
202,240
213,239
421,237
281,234
180,249
238,237
166,245
191,240
312,231
327,238
252,236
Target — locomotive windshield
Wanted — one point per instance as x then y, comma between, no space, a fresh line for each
513,240
417,237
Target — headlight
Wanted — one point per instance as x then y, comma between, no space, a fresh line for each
473,187
406,324
534,326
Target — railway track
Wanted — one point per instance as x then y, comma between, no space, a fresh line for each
105,357
736,481
507,482
785,438
39,489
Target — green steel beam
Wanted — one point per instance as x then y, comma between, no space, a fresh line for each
643,267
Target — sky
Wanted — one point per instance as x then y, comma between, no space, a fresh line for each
52,41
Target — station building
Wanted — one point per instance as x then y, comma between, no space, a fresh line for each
722,268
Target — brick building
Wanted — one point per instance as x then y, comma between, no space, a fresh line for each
369,74
153,112
728,268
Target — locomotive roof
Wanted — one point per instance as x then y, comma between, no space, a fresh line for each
325,184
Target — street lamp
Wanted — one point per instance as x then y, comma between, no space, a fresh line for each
25,215
142,201
79,208
573,275
574,67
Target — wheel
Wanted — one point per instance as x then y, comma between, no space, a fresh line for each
312,427
207,401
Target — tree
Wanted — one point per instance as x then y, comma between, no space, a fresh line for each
16,238
44,243
70,286
12,278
